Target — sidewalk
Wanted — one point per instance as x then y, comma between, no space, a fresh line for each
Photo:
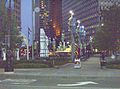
90,68
1,70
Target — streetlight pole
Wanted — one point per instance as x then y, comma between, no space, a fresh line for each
72,37
34,9
78,27
32,30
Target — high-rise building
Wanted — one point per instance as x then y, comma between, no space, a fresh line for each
17,11
56,16
15,8
12,10
49,19
87,11
41,23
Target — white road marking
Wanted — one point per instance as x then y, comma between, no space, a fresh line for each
18,81
77,84
8,72
87,82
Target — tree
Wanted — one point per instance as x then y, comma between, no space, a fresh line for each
3,22
3,25
107,37
15,38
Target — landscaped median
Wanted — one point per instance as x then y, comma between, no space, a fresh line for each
113,63
39,63
31,64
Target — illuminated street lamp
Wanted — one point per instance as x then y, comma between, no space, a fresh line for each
78,21
78,28
71,12
70,23
102,24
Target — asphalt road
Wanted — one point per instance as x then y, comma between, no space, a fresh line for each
34,82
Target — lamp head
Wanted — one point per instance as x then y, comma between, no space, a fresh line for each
71,12
82,27
78,21
102,24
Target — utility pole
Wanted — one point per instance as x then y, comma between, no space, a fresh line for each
33,14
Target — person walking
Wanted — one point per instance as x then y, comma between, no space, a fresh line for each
102,59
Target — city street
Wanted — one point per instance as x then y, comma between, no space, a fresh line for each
38,36
90,76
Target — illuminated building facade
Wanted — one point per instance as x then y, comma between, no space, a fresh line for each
41,23
49,19
56,16
87,11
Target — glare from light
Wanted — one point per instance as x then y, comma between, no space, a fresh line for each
71,12
102,24
78,21
67,42
82,27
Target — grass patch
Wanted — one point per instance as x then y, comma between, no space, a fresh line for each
30,65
